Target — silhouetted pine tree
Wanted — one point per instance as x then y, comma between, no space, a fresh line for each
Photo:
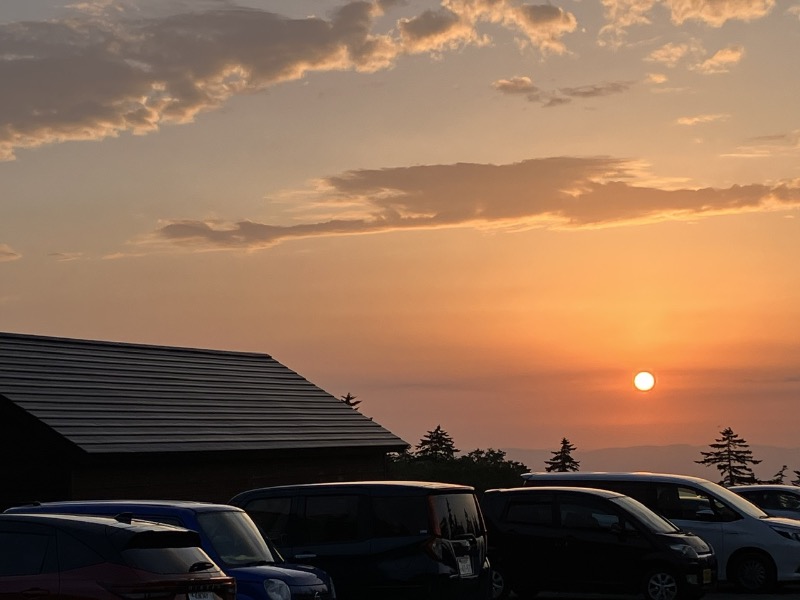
350,400
436,445
731,456
562,460
780,476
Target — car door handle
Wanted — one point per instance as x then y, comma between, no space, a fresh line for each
309,555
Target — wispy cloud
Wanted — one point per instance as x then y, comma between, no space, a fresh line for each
523,85
557,192
7,253
701,119
621,15
722,60
717,12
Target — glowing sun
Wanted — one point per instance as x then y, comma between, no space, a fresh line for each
644,381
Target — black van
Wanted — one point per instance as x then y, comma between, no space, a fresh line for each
380,539
590,540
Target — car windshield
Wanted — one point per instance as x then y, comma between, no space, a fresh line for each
235,538
652,520
735,500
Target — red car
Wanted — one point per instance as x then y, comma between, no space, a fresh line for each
96,558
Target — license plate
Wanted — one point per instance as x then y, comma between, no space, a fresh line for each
201,596
464,566
706,575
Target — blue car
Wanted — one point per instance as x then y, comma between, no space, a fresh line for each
228,536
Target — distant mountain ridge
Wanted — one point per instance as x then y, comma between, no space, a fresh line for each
677,458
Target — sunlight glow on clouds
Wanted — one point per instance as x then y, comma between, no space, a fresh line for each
722,60
554,193
7,254
700,119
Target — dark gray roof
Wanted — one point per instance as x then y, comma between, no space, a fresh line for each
109,397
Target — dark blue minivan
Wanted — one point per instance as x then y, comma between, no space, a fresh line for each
228,536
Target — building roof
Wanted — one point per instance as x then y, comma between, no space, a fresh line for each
110,397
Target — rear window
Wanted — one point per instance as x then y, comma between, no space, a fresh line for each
166,552
399,516
168,560
456,515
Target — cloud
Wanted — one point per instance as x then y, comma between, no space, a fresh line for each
560,192
624,14
671,54
7,254
722,60
109,71
700,119
717,12
515,85
522,85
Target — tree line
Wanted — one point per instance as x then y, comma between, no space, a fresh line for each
435,458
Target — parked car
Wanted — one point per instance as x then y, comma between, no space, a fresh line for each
590,540
383,539
754,551
89,558
774,499
227,535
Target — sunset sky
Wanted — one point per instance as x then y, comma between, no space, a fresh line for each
483,214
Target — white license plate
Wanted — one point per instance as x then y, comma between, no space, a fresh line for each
201,596
464,566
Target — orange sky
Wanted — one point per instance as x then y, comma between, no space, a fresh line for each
483,215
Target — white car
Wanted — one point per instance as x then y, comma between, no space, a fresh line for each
774,499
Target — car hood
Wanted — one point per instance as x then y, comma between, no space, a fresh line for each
785,521
299,575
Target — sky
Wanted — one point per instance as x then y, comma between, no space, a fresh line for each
487,215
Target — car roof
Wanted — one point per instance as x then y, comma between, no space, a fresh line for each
86,522
140,506
615,476
783,487
539,489
407,487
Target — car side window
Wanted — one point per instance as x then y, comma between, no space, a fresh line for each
531,511
27,553
74,554
331,519
587,513
790,501
272,516
690,504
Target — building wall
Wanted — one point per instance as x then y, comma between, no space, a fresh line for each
217,477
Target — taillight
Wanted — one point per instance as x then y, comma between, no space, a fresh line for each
433,547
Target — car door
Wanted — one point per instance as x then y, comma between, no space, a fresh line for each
528,541
332,534
28,561
601,547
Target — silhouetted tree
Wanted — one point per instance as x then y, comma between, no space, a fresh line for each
436,445
562,460
350,400
780,476
731,455
796,480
